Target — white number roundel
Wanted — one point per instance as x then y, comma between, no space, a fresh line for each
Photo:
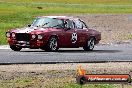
74,37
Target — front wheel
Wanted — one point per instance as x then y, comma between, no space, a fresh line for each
89,45
15,48
52,44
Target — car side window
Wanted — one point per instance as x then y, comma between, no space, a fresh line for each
69,24
84,25
80,24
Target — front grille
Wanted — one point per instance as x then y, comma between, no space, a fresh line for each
22,37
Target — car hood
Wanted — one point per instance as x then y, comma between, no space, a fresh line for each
28,29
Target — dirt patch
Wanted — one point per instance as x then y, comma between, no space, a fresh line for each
125,67
114,28
41,75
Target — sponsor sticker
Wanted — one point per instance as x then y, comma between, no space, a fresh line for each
74,37
84,78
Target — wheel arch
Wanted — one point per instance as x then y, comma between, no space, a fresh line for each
54,35
92,36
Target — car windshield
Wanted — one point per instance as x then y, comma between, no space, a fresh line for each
48,22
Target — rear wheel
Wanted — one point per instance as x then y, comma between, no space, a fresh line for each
52,44
15,48
89,44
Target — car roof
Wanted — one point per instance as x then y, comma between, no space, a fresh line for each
59,17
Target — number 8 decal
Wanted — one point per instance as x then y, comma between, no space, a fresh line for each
74,37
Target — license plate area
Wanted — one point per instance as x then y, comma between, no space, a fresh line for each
23,43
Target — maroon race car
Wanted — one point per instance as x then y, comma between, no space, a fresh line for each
50,33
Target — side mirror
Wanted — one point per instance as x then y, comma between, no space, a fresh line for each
29,25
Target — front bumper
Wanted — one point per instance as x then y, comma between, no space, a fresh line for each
27,44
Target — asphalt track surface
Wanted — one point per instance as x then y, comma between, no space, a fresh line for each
101,53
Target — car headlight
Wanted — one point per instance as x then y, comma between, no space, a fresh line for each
40,37
13,35
33,36
8,34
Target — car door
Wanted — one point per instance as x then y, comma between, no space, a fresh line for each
81,30
70,34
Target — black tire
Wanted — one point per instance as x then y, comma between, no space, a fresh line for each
52,45
15,48
42,48
89,46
